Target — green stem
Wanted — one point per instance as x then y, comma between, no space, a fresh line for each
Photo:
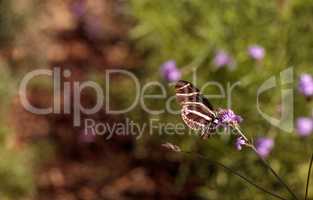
241,134
308,179
236,174
248,144
273,172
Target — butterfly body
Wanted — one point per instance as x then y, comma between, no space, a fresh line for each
197,112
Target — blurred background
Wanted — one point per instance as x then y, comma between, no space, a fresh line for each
45,157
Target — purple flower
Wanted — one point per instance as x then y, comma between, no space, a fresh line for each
306,85
87,136
264,146
170,72
227,117
239,143
93,27
223,59
304,126
256,52
78,8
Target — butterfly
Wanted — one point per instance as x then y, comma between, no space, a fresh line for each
197,112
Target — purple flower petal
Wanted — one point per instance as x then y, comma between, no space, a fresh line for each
78,8
170,72
93,27
223,59
239,143
304,126
227,117
264,146
256,52
86,136
305,85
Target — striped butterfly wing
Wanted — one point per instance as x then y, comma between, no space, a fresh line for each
197,112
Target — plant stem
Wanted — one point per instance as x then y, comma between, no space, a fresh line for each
308,179
235,173
241,134
273,172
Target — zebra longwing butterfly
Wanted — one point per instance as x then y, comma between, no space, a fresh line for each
197,112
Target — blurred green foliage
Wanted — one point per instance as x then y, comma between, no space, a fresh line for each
191,32
16,173
16,164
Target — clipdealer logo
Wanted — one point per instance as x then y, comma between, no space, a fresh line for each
71,93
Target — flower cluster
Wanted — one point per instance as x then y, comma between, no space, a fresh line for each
304,125
227,117
223,58
170,72
263,146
